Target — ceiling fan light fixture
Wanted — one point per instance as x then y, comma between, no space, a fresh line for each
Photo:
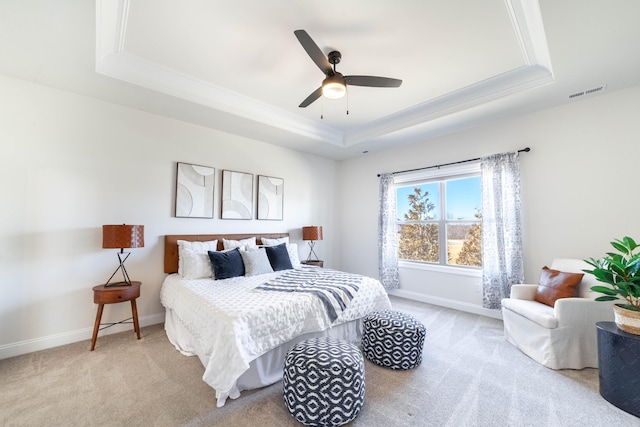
334,90
334,87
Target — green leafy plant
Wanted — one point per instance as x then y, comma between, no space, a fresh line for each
621,271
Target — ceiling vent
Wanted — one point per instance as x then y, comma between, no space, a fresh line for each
588,91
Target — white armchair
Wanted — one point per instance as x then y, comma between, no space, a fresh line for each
559,337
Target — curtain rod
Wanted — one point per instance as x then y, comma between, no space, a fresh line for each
524,150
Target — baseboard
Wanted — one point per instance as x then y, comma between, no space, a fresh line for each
43,343
37,344
444,302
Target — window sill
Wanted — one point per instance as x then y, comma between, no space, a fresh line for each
460,271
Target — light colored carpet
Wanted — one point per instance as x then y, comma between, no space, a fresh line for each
469,376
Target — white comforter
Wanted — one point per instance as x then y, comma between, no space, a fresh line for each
233,323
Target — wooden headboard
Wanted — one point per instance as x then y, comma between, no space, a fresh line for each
171,244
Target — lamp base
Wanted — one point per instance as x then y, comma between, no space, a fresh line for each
312,243
127,281
114,284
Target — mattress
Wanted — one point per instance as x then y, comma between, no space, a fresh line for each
230,323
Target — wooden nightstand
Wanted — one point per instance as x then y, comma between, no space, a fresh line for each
316,263
112,295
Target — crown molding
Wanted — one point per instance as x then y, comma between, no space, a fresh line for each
514,81
113,61
141,72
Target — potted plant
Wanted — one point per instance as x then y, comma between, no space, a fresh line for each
621,271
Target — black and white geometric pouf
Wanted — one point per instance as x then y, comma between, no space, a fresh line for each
393,339
324,382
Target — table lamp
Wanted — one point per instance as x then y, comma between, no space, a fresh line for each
122,236
312,233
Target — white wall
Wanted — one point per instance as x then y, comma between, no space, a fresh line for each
578,188
71,164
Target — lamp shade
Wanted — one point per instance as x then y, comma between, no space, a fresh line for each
122,236
312,232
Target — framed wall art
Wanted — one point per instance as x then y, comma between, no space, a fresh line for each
270,197
194,191
237,195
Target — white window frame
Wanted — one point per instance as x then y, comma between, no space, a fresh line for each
441,174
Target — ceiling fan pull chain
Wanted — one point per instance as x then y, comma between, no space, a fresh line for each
347,91
321,109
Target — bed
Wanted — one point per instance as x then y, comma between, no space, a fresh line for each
241,327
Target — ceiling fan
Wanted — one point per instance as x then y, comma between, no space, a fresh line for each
334,86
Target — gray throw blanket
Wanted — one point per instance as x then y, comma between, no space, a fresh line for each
334,288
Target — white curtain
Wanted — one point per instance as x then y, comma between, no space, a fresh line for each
502,264
388,234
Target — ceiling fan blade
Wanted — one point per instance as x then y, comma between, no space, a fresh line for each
372,81
315,95
314,51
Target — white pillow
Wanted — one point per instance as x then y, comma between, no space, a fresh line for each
249,244
198,247
274,242
256,262
195,265
292,248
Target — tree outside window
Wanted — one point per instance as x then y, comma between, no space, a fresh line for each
440,222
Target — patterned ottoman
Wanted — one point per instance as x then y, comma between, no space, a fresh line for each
393,339
324,382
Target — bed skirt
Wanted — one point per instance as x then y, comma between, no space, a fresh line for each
266,369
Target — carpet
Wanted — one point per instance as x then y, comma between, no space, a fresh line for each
469,376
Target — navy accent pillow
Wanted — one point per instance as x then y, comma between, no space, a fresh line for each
279,257
226,264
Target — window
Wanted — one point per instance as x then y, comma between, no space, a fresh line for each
440,216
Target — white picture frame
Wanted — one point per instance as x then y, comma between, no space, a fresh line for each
194,191
270,198
237,195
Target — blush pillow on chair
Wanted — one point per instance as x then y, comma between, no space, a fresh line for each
555,284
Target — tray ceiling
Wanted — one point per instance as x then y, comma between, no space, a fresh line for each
237,66
242,58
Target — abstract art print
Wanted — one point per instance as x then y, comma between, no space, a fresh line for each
194,191
237,195
270,197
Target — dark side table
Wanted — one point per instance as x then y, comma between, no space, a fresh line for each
619,363
111,295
